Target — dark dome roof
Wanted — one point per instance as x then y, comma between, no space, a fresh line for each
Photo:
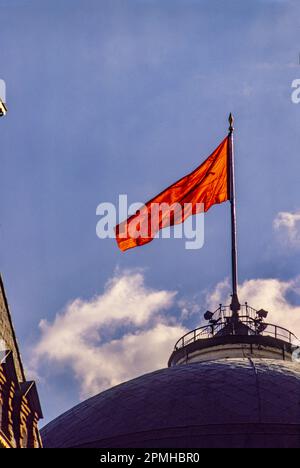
230,402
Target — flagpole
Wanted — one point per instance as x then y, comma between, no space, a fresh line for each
235,304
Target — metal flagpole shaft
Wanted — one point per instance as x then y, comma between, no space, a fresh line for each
235,305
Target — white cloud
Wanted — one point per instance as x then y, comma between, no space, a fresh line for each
112,338
269,294
189,307
288,226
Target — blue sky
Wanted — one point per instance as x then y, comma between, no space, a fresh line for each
109,97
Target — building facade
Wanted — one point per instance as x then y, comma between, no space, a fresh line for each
20,408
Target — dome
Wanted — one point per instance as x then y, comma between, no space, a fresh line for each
233,402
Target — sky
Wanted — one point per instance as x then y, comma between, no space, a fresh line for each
125,97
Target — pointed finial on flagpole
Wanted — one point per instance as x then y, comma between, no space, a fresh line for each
231,121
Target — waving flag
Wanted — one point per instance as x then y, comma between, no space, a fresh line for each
207,185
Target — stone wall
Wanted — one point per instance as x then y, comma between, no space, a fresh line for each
7,333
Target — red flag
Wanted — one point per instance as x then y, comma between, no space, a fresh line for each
207,185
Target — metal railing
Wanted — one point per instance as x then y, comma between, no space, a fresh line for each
222,324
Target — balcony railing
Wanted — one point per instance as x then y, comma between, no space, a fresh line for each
222,324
